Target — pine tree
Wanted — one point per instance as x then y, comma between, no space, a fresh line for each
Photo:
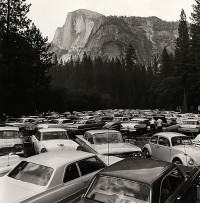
182,53
25,60
130,76
194,73
166,66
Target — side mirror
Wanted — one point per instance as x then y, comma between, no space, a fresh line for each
79,148
187,175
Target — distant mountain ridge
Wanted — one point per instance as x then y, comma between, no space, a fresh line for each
108,36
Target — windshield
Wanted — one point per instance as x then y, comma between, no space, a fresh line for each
54,135
181,140
103,138
54,121
19,120
9,134
80,122
117,119
115,190
31,173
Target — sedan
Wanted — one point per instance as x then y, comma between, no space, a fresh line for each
49,177
135,180
172,147
107,142
52,139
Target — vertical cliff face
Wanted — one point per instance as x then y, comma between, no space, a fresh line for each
75,32
109,36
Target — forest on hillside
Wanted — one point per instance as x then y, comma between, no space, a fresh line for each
31,83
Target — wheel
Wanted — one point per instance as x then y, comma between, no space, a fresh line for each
146,153
177,161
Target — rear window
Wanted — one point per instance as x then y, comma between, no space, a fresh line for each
54,135
9,134
112,190
32,173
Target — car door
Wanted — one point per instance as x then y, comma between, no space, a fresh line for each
72,187
36,141
163,149
69,190
153,145
89,167
185,190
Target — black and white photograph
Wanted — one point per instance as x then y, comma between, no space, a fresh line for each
100,101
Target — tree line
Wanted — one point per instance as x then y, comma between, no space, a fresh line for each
30,82
170,81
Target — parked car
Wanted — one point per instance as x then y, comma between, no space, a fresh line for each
135,124
172,147
7,162
52,139
135,180
10,120
11,140
81,126
112,126
190,124
50,177
59,122
107,142
21,123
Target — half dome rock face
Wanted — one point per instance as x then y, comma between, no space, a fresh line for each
109,36
76,30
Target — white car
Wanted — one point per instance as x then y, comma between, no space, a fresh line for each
107,142
50,177
11,140
190,124
21,122
135,124
172,147
52,139
7,162
59,122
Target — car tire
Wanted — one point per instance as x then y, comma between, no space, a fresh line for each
146,153
177,161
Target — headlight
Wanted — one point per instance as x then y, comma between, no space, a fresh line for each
18,146
43,150
191,161
137,154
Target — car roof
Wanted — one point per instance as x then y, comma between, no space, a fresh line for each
101,131
51,130
57,159
4,128
139,119
169,134
138,169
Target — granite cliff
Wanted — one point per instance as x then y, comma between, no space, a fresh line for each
109,36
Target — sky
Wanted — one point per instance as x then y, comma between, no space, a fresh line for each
47,15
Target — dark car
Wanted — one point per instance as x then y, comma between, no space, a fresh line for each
81,126
144,181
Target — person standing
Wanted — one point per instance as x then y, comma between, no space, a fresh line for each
159,125
153,125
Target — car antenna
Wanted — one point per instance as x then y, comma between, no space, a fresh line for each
108,148
185,153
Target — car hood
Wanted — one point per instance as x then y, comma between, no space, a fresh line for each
10,142
115,148
109,160
13,191
191,150
131,125
7,162
59,144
